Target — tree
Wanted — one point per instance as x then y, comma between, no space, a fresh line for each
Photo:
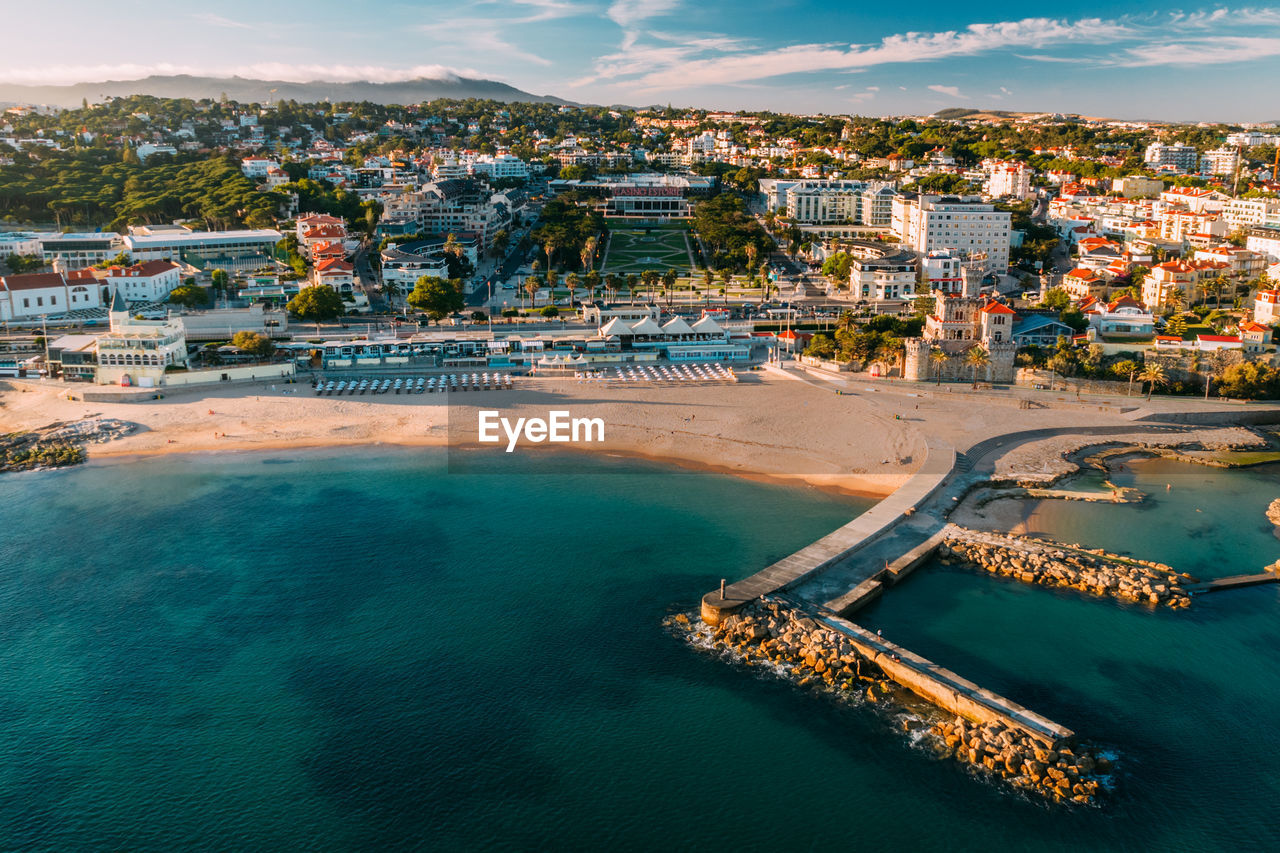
1153,375
316,304
1127,368
1057,299
393,290
437,297
189,296
254,343
219,279
531,285
976,358
1176,326
938,357
669,279
592,282
1250,380
23,263
650,279
571,281
633,282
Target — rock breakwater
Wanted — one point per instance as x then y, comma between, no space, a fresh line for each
1273,512
1059,773
1092,571
58,444
812,654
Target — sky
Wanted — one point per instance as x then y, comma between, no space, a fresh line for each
1123,60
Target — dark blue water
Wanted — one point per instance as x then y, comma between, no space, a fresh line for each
361,652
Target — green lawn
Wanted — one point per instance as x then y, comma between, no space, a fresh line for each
634,250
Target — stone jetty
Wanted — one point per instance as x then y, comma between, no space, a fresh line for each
811,653
1024,762
1092,571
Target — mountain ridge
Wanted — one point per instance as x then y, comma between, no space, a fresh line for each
249,90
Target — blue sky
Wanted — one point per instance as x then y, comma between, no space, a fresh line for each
1123,60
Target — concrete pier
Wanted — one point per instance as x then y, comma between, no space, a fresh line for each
1233,582
938,685
835,547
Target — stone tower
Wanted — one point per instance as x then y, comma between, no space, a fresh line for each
971,277
915,362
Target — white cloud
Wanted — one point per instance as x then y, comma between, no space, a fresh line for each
219,21
1176,39
303,73
626,13
1215,51
949,91
873,88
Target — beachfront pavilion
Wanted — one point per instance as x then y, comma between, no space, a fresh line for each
646,332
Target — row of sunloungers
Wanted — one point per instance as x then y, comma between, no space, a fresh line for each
709,372
412,385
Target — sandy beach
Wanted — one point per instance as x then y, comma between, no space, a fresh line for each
842,434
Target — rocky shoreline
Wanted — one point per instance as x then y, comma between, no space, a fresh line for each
1273,512
809,654
1040,464
57,445
1091,571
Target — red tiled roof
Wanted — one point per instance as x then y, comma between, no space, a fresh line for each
146,269
996,308
33,281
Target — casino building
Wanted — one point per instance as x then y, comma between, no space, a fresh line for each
644,196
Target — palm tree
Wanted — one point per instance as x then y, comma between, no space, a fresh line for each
650,279
975,358
1219,282
550,248
669,279
592,281
938,357
531,287
392,290
1154,375
571,282
588,253
1176,300
846,322
633,282
707,278
726,276
611,282
752,252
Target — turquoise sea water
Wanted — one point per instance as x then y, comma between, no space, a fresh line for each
362,652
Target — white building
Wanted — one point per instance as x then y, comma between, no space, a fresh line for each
1264,241
1009,180
1220,161
929,223
884,276
257,167
499,167
34,295
20,243
1266,307
177,242
1249,212
1176,156
137,352
941,271
149,281
74,251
